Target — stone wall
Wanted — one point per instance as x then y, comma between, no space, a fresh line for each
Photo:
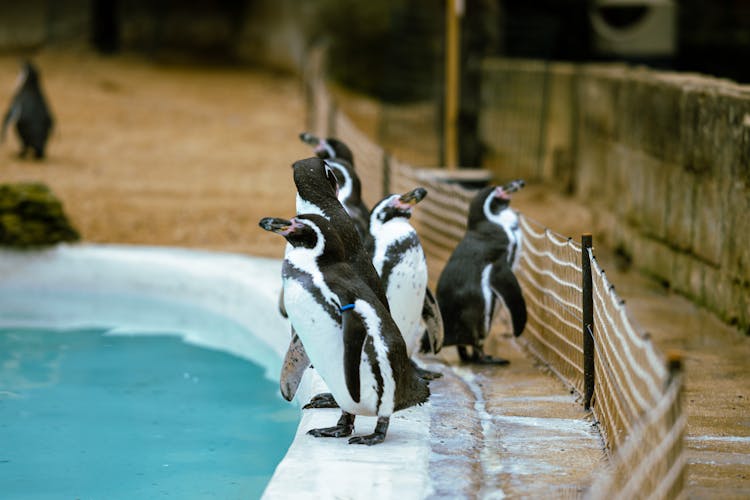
663,158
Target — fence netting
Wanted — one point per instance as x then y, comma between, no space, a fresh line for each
636,399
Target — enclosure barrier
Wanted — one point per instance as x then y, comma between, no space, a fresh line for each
577,325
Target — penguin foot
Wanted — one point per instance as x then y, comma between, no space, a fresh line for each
369,440
338,431
478,357
376,437
486,359
322,400
427,374
344,427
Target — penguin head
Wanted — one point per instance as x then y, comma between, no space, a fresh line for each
328,148
491,201
296,232
314,179
309,231
29,75
396,205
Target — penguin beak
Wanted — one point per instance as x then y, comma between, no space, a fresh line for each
309,139
277,225
514,186
408,200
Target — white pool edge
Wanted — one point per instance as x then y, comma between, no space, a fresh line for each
245,290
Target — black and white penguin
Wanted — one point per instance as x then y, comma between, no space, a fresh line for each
400,261
316,194
478,276
339,157
30,113
347,331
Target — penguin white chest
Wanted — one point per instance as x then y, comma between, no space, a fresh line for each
401,263
405,291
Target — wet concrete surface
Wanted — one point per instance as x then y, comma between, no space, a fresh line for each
528,437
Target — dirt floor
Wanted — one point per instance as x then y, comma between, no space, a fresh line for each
164,154
194,156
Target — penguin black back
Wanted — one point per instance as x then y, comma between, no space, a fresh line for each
30,112
316,191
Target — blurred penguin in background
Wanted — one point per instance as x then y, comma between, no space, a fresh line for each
29,112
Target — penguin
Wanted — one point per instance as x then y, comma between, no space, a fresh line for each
400,261
317,194
30,113
328,148
347,331
339,157
478,276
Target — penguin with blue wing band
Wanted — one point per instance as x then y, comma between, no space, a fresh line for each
347,331
317,188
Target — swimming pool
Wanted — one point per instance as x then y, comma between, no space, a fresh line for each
131,373
88,414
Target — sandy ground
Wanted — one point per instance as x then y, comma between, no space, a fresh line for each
165,155
189,156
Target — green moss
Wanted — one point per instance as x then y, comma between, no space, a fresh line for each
32,216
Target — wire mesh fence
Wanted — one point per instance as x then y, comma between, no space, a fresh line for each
550,274
636,399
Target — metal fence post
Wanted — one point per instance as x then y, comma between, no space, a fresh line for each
588,322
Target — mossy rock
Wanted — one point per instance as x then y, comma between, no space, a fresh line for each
31,216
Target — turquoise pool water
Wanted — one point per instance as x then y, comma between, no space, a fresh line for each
88,415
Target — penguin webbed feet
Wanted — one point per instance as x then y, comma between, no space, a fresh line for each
478,357
322,400
378,436
343,428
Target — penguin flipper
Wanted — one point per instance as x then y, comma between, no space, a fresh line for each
294,366
432,339
355,333
505,286
11,116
